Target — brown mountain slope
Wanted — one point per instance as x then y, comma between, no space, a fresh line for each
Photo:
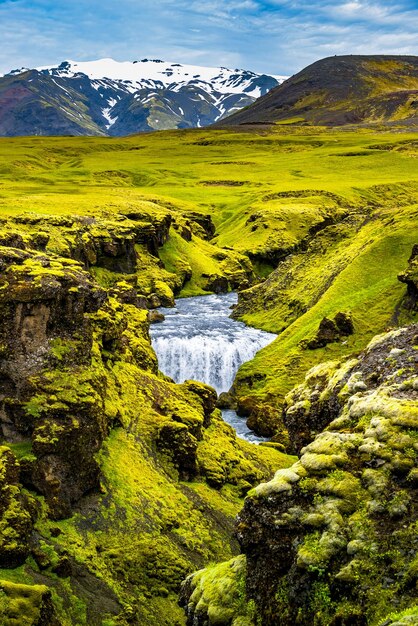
341,90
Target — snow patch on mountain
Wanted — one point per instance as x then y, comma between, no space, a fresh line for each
162,74
118,98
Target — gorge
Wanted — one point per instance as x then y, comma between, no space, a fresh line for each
123,491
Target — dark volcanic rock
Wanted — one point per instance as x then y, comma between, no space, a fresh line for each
216,284
44,302
226,400
155,317
327,333
330,331
206,228
180,444
15,518
410,278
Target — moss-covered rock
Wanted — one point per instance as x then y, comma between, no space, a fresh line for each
410,278
15,517
332,539
216,595
26,605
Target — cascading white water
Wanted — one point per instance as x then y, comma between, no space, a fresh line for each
198,340
212,360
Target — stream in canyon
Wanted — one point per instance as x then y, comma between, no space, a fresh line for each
198,340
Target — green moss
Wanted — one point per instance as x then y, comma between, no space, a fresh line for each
219,594
22,605
223,458
22,450
403,618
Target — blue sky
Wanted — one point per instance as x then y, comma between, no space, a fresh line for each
273,36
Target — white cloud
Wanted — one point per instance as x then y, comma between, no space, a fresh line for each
277,36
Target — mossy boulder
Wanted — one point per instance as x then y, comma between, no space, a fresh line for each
216,596
410,278
263,418
216,284
26,605
155,317
330,331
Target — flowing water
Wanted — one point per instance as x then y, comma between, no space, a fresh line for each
198,340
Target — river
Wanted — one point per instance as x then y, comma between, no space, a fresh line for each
198,340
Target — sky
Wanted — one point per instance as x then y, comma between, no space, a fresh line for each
267,36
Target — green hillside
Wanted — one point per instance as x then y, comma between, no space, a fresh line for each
341,91
116,482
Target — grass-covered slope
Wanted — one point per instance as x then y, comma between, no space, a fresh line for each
351,269
341,90
116,482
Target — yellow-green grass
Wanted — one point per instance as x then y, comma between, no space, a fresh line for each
194,169
365,286
228,174
233,175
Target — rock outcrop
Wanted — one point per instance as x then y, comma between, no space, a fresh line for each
330,331
332,539
410,278
16,521
45,303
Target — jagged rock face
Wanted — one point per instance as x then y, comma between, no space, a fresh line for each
46,302
347,510
15,519
330,331
410,278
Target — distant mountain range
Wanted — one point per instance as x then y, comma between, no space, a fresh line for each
344,90
107,97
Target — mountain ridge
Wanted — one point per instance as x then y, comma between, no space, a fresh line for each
107,97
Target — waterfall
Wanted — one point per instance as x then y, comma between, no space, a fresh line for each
198,340
211,359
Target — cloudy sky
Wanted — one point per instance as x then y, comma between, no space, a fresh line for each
273,36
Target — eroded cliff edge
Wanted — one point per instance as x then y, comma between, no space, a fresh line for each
115,482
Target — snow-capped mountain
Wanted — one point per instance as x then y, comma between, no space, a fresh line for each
108,97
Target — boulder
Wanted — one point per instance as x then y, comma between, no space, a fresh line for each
410,278
155,317
330,331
